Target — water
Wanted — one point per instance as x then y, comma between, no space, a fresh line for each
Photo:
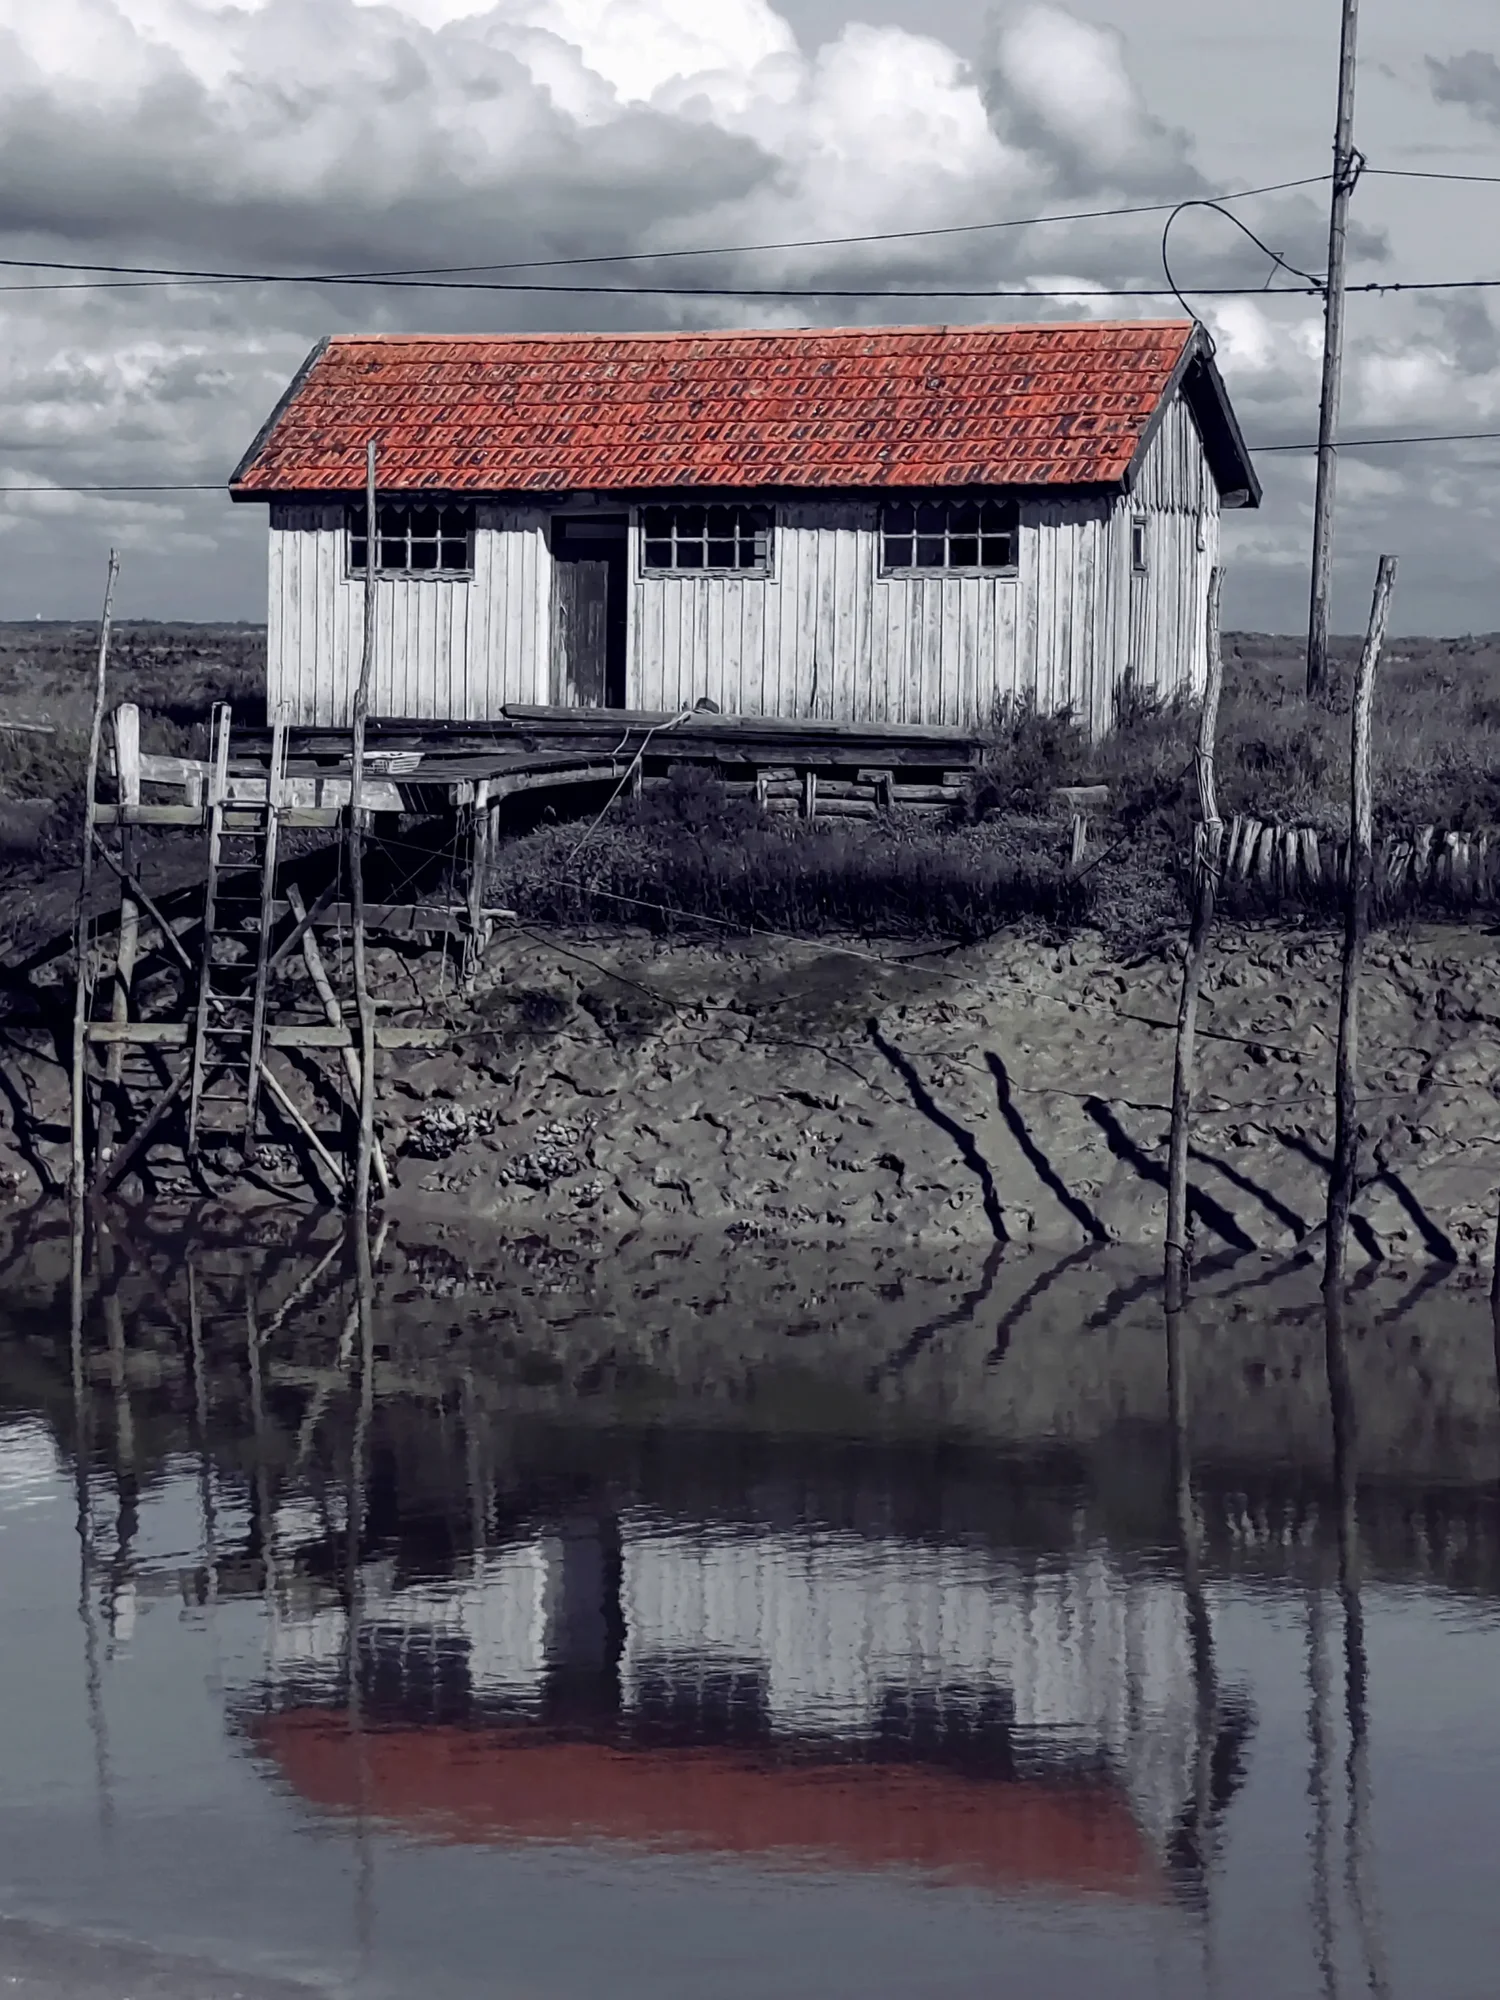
675,1620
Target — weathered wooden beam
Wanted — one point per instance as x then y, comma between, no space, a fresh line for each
113,1168
132,882
1341,1182
127,749
83,987
306,918
312,957
320,1152
1210,835
267,921
220,723
107,815
363,999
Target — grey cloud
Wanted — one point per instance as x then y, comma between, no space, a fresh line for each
1472,79
1024,79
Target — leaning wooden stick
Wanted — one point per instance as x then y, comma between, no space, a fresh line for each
1356,924
362,999
1208,841
312,958
83,992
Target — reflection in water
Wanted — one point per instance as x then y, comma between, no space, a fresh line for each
1356,1673
541,1557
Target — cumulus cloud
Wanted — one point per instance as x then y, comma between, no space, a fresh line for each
1059,88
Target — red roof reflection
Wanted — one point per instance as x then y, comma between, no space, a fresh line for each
497,1787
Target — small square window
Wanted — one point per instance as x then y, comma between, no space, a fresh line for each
422,540
933,536
731,540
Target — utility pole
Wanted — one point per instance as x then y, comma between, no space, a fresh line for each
1347,167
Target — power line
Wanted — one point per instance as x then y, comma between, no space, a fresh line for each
1083,289
1420,437
162,275
1344,444
1425,174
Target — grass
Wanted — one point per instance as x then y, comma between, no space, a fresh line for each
692,849
691,853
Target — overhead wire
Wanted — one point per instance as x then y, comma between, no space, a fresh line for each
1311,444
164,275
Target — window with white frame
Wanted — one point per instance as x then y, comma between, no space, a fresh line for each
943,535
1138,545
415,538
729,539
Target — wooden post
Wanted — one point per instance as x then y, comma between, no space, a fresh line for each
1208,841
275,773
83,990
127,734
221,721
1356,924
1347,167
312,958
362,999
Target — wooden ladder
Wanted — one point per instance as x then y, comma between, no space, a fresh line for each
240,906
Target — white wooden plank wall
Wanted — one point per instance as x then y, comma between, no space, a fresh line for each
826,635
455,648
1177,498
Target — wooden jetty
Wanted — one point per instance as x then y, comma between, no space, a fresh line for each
192,1007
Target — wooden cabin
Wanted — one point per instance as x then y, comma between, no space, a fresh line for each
869,527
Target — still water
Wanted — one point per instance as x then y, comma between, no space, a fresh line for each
676,1619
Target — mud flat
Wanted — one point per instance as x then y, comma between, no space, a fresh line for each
1017,1091
1014,1092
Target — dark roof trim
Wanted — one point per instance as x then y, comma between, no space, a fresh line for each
262,436
610,499
1201,386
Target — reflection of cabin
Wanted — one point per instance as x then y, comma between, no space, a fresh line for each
876,527
619,1677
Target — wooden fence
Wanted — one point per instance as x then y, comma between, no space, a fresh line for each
1293,863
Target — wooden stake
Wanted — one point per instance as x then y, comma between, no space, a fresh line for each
83,990
1356,924
220,723
275,772
1347,167
317,972
127,734
1208,842
362,998
320,1152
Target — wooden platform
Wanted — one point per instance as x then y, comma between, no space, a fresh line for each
829,769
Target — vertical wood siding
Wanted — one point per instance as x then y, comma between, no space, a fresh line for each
824,636
1176,498
446,648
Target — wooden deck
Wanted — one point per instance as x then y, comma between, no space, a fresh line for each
414,767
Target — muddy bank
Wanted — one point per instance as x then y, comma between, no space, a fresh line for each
1015,1092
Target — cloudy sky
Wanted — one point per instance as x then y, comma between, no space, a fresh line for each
331,135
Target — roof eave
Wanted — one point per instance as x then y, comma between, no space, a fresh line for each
262,436
1198,381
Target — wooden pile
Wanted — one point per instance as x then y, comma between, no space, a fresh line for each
1292,862
812,795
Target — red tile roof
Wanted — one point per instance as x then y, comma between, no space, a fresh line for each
1026,405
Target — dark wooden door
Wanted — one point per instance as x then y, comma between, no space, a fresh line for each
580,631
